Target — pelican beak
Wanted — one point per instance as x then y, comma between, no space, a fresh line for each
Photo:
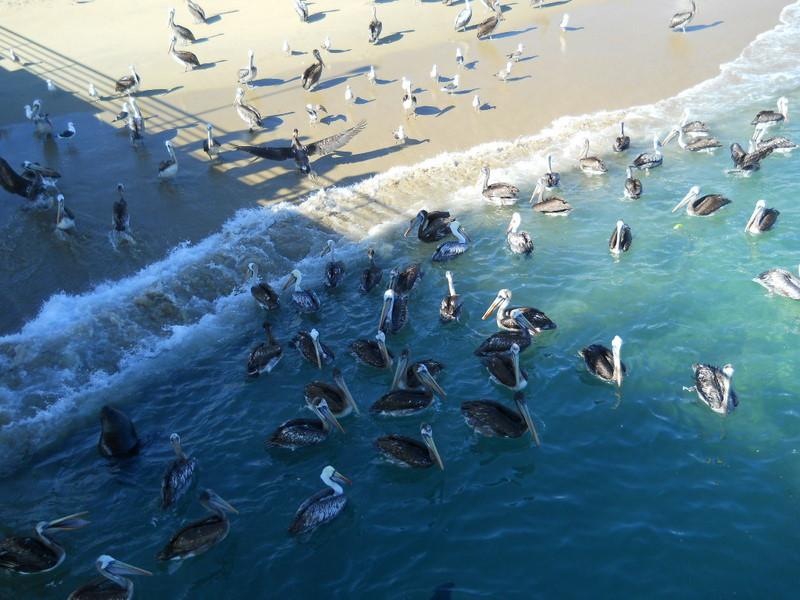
346,391
385,353
751,221
341,478
70,522
523,320
121,569
526,415
429,382
384,311
428,440
492,308
464,233
325,250
686,199
289,282
415,222
317,351
330,418
670,136
225,505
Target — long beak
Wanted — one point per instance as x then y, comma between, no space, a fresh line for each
121,568
325,250
385,353
346,391
686,199
70,522
415,222
522,320
341,478
752,219
330,418
384,311
526,416
223,504
517,372
427,379
492,308
464,233
428,440
670,136
400,371
317,351
290,281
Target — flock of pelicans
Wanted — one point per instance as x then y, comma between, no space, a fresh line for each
414,386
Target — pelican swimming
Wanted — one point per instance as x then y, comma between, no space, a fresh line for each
305,301
248,74
199,536
713,387
334,269
113,585
492,419
179,31
504,369
337,395
517,318
603,363
692,128
633,186
701,206
519,242
762,219
706,143
372,275
622,142
431,226
314,351
552,206
781,282
488,25
40,554
450,307
503,340
779,144
65,220
198,14
167,169
120,219
551,179
769,118
408,452
179,475
312,74
394,312
746,162
650,160
128,84
247,112
621,238
452,248
188,60
463,17
373,352
322,507
262,292
402,399
210,145
301,8
375,27
266,355
299,433
406,279
591,165
681,20
499,194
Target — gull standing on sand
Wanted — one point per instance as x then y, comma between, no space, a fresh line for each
400,135
682,19
13,55
248,74
516,54
313,111
326,44
410,104
459,57
50,86
247,113
503,74
463,17
371,74
476,102
287,49
301,8
348,95
92,92
451,86
564,22
435,74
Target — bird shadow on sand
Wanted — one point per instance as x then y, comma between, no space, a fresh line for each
445,110
385,81
333,118
691,28
394,37
520,78
552,4
527,58
472,65
203,40
339,50
462,92
210,65
433,111
508,34
320,15
573,28
267,81
330,83
486,106
297,53
359,101
274,121
218,17
156,92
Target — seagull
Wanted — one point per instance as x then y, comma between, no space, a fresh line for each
68,133
459,57
435,73
13,55
326,44
564,22
50,85
313,111
348,95
410,104
287,50
476,102
503,75
451,86
371,74
400,135
516,54
92,91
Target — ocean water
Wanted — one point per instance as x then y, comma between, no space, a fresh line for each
639,492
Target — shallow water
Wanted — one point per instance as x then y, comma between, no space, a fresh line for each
631,493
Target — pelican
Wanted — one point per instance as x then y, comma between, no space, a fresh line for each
781,282
499,194
406,279
408,452
198,14
762,219
700,144
188,60
681,20
334,269
199,536
504,369
487,26
412,379
43,124
372,275
463,17
113,585
621,238
65,220
701,206
452,248
299,433
248,74
167,169
266,355
503,340
128,84
649,160
519,242
313,111
747,162
603,363
301,8
40,554
768,118
375,27
247,112
778,144
451,86
210,145
394,313
450,308
591,165
312,74
622,141
314,351
492,419
178,31
403,400
179,474
262,292
692,128
135,123
551,179
713,387
552,206
322,507
431,226
305,301
337,395
633,186
373,352
508,317
516,54
119,213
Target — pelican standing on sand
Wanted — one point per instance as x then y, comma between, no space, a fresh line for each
492,419
508,317
200,536
713,387
603,363
650,160
167,169
299,433
408,452
373,352
178,31
305,301
486,27
40,554
633,186
248,74
334,269
375,27
499,194
198,14
179,475
622,141
210,145
452,248
322,507
266,355
591,165
682,19
621,238
519,242
372,275
780,282
763,218
450,307
312,74
701,206
188,60
463,17
113,585
247,113
128,84
314,351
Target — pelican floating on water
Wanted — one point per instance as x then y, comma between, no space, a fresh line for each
603,363
314,351
403,399
408,452
650,160
200,536
337,395
431,226
372,275
128,84
40,554
210,145
247,112
713,387
248,74
180,32
450,307
120,219
168,168
682,19
503,340
762,219
406,279
552,206
621,238
299,433
463,17
591,165
179,475
781,282
504,369
519,242
779,144
769,118
113,585
266,355
305,301
262,292
394,312
322,507
622,141
373,352
692,128
492,419
633,186
312,74
334,269
746,162
701,206
65,220
499,194
517,318
551,179
452,248
705,144
188,60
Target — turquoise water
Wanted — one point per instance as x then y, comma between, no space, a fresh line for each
632,493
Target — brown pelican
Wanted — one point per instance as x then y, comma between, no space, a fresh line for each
403,400
551,178
519,242
372,275
31,169
168,168
375,27
247,112
603,363
322,507
781,282
463,17
487,26
128,84
313,73
500,194
552,206
394,313
299,433
404,280
188,60
515,318
65,220
179,474
778,144
767,118
713,387
408,452
762,219
622,141
492,419
450,308
650,160
621,238
373,352
705,144
591,165
40,554
503,340
178,31
701,206
431,226
337,395
199,536
504,369
262,292
30,186
120,219
314,351
334,269
266,355
210,145
633,186
452,248
113,585
198,14
681,20
305,301
692,128
248,74
747,162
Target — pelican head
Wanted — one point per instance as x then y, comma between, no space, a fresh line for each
239,94
728,370
458,231
516,220
314,334
388,306
112,568
328,249
171,13
68,523
503,296
175,440
783,107
522,407
416,222
399,378
616,346
429,382
757,211
618,245
213,502
427,437
294,279
60,200
323,412
318,56
333,479
673,133
691,196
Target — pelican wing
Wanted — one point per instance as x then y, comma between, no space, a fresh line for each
12,181
332,143
195,537
268,152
